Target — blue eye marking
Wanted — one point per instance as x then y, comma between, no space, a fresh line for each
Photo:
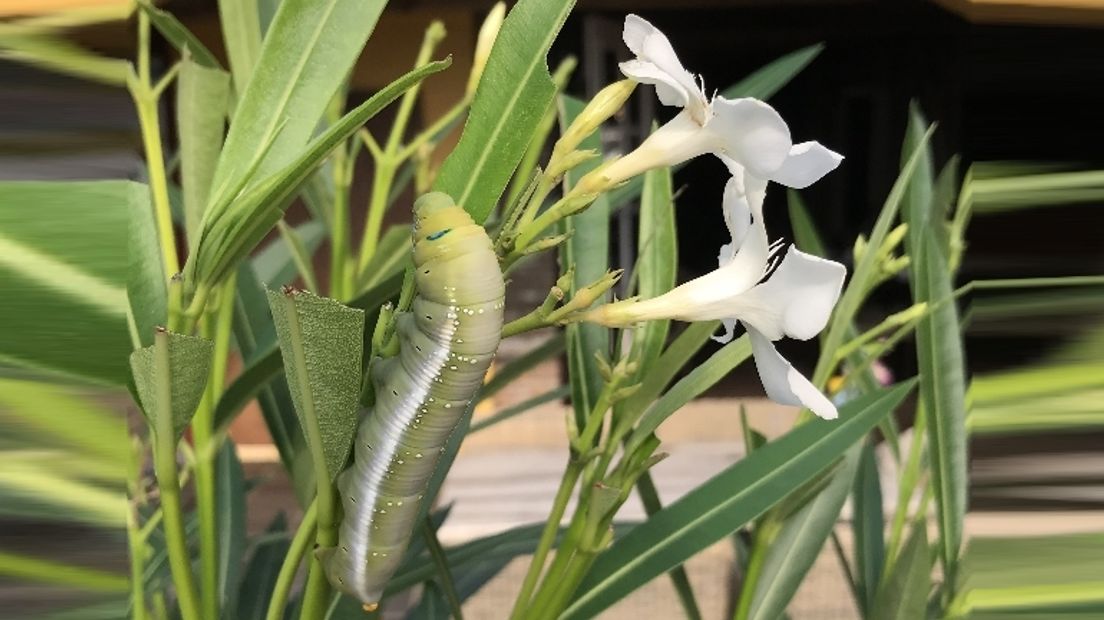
437,235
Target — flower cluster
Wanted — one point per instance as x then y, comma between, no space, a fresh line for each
796,297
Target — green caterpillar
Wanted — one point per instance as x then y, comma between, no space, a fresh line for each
447,342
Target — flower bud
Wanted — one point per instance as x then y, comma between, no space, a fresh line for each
605,104
893,239
488,32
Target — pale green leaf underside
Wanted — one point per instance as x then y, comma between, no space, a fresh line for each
170,376
322,342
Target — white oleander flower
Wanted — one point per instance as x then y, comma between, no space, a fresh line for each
745,131
795,300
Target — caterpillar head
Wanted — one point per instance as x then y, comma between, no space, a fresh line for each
436,215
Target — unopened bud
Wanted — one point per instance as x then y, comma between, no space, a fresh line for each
909,314
488,32
893,239
625,392
591,293
604,368
605,104
860,248
896,265
559,165
547,243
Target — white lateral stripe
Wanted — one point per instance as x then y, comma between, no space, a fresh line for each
62,277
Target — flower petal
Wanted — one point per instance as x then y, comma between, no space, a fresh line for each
783,384
668,89
806,164
796,300
737,213
652,47
750,132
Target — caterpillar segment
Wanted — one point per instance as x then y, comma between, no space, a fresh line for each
447,342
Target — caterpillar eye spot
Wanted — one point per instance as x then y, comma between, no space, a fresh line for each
437,235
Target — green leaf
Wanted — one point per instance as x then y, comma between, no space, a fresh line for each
391,257
262,378
178,35
727,501
55,53
233,224
657,265
703,377
202,97
587,252
40,570
792,553
670,363
322,343
259,578
147,287
230,500
63,262
918,207
265,362
299,255
170,376
868,526
904,594
943,392
307,53
274,265
241,33
512,96
806,236
769,79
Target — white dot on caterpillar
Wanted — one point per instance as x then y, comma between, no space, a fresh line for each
453,367
418,455
448,405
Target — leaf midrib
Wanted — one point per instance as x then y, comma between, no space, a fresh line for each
509,109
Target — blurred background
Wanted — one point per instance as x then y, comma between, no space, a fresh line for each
1016,89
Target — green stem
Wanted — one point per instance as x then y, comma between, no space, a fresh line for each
431,133
136,539
145,102
168,475
339,232
759,547
560,562
384,176
548,537
294,557
444,575
206,500
317,594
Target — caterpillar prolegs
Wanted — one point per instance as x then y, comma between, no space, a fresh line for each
447,342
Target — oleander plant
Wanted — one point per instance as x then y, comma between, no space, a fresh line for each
367,378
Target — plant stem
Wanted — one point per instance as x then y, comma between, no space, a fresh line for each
444,574
339,232
298,548
548,537
384,176
145,101
136,541
164,463
317,594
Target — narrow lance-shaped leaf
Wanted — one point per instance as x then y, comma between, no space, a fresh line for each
587,252
727,501
512,96
904,593
309,49
943,392
178,35
63,264
770,78
658,263
322,343
868,525
234,224
147,286
230,500
241,33
170,376
202,97
259,577
794,550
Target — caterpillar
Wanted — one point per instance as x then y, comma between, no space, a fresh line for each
447,342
